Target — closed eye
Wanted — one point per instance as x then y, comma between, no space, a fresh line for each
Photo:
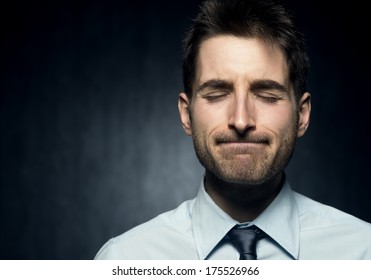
269,91
215,96
270,99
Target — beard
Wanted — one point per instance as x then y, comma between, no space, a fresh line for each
256,166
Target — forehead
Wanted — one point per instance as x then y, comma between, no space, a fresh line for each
240,59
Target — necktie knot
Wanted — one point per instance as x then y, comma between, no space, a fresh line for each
244,240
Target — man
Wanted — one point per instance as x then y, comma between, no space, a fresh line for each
244,103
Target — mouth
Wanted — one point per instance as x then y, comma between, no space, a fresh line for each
251,140
241,147
241,142
231,146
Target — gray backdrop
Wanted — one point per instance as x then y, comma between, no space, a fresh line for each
91,142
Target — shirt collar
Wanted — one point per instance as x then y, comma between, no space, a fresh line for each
210,223
280,221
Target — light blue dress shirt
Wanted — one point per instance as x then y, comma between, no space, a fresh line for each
296,227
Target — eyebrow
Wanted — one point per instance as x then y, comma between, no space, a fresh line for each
256,85
216,84
267,84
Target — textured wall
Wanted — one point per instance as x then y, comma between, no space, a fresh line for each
91,143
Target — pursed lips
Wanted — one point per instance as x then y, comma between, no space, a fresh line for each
241,147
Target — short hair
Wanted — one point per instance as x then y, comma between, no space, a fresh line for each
264,19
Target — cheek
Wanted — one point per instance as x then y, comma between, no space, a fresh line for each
279,119
208,118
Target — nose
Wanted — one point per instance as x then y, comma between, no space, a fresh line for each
242,114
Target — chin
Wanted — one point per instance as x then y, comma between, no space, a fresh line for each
244,181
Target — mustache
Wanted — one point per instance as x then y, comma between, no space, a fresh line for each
261,138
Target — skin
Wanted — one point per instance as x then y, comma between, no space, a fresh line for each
244,121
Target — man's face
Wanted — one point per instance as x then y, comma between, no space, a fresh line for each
243,117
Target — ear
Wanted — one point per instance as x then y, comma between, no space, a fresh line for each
304,114
184,107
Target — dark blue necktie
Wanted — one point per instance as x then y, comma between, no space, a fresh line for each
245,239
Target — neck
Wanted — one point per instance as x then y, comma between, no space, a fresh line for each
243,202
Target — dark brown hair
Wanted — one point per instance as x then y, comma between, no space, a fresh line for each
264,19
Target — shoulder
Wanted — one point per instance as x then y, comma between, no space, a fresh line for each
332,230
154,238
319,214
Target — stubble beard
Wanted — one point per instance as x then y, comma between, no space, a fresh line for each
258,169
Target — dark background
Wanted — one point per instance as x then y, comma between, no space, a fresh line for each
91,142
